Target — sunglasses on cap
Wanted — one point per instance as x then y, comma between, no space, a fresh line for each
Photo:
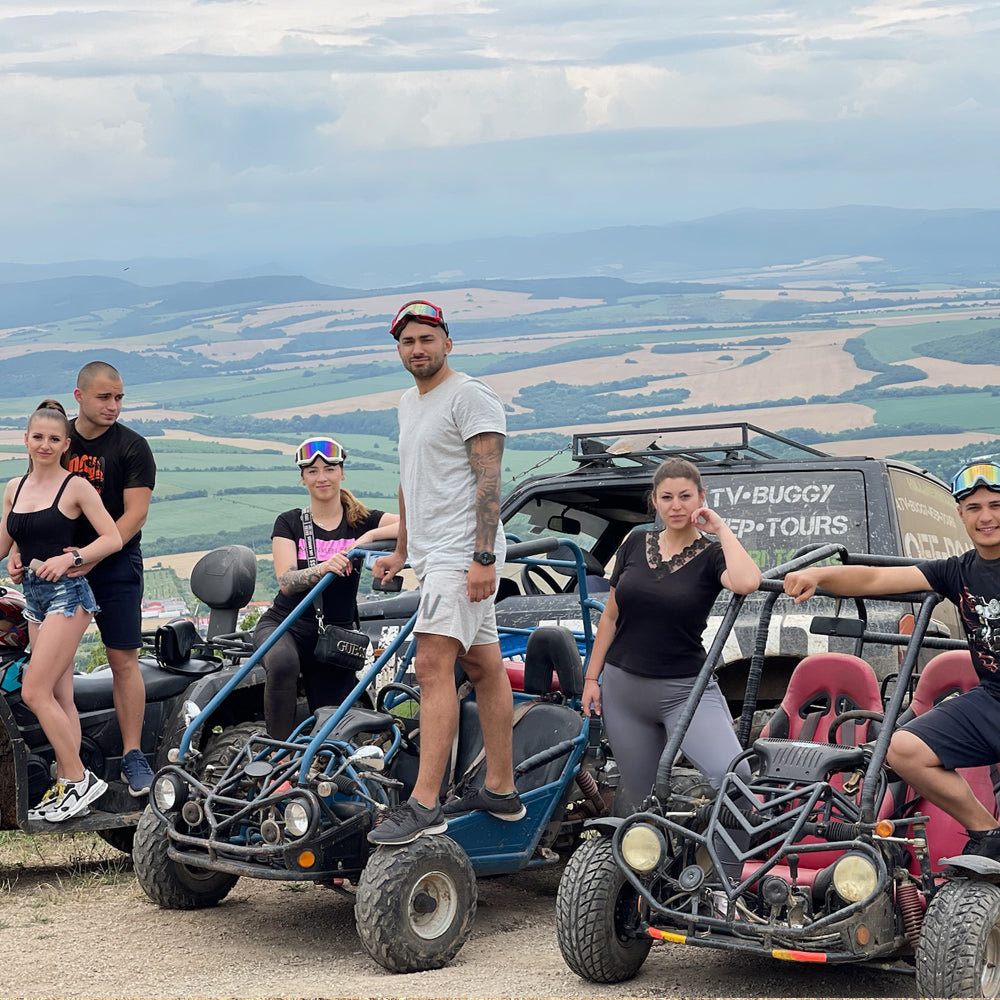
973,476
422,312
325,448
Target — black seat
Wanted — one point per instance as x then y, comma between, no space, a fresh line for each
540,725
92,692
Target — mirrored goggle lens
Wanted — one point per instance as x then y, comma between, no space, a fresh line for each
981,474
324,448
424,312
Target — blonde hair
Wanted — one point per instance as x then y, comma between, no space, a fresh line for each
354,510
51,409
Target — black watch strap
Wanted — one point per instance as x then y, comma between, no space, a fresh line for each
484,558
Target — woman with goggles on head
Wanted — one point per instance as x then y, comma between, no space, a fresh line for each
340,522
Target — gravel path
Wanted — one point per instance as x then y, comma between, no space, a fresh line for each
89,930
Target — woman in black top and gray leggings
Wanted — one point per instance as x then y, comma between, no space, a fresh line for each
40,514
648,645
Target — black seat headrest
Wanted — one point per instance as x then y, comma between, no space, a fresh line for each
552,648
225,577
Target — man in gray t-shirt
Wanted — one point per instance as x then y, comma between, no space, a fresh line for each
451,438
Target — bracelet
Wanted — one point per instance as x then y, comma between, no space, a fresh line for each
595,679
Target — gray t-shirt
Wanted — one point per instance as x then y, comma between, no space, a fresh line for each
439,488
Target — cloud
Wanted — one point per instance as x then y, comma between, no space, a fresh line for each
236,122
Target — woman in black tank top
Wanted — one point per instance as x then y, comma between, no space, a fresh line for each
40,514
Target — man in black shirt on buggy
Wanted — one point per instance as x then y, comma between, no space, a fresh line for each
962,731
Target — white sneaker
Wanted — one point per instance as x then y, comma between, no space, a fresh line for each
76,798
52,795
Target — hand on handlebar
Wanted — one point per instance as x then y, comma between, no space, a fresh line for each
337,564
800,584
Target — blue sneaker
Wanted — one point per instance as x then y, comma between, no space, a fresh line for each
137,773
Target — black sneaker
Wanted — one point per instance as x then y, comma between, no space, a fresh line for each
76,797
137,773
407,822
508,807
984,843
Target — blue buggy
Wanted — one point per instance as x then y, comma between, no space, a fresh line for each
300,809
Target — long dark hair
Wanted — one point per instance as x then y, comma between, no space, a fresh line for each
51,409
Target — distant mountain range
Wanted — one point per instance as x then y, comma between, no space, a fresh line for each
857,242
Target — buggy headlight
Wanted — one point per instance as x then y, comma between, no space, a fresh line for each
297,818
643,847
854,877
169,792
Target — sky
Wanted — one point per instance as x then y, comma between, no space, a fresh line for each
276,130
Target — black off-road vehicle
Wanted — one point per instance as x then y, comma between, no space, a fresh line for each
778,495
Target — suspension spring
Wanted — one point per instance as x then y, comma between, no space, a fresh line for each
908,896
587,784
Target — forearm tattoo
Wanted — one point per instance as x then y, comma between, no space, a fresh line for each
300,579
485,454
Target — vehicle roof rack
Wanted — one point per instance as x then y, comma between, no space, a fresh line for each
650,446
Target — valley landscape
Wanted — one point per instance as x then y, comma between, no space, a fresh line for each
226,377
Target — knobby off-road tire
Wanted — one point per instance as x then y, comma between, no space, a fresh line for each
594,905
221,748
958,954
171,885
122,838
415,904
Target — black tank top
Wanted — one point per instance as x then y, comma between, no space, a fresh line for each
41,534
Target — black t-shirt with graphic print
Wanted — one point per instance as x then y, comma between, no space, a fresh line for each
341,593
117,460
973,583
663,612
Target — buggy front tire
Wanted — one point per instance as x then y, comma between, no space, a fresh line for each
415,904
958,954
596,907
168,883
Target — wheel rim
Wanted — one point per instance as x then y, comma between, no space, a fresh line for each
990,975
432,905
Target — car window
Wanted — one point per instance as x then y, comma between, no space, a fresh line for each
928,520
775,513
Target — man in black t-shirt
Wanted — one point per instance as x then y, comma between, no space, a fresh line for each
963,731
119,463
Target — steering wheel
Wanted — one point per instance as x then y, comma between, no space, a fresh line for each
529,586
855,713
412,692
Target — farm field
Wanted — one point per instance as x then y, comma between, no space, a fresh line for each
225,392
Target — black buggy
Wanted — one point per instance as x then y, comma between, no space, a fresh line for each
823,855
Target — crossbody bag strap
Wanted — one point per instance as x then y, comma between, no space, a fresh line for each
310,540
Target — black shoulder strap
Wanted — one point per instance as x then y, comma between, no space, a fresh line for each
310,540
55,503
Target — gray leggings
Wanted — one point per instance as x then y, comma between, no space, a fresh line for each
638,715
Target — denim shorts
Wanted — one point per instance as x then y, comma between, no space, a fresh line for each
43,597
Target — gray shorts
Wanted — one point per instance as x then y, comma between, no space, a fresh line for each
445,609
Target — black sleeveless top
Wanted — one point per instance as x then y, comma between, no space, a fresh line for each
41,534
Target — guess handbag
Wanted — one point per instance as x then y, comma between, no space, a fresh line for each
341,647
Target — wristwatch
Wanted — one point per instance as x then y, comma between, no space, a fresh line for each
484,558
77,558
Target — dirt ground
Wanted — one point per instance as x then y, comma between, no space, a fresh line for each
74,923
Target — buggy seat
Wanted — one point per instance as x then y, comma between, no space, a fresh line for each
539,723
946,675
822,686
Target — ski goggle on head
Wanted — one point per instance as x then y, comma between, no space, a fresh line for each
973,476
325,448
422,312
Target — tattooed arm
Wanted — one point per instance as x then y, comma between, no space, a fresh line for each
485,453
291,579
